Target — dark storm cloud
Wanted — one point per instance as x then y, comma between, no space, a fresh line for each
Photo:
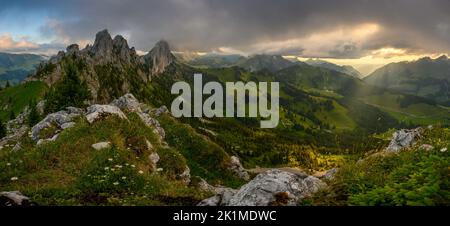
205,25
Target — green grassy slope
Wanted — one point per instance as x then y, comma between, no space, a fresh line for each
16,98
70,172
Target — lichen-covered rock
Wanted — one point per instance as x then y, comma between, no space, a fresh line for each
96,111
261,190
127,102
158,111
403,138
151,122
14,198
237,168
61,120
101,145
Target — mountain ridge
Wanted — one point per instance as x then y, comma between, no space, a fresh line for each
426,77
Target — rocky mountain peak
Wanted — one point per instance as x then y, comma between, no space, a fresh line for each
122,49
71,49
160,56
103,45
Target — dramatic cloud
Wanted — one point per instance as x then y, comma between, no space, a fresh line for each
335,29
8,43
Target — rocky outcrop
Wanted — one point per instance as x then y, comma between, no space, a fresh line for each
157,111
57,122
122,50
403,138
273,187
16,128
14,198
101,145
110,60
103,46
127,102
160,57
96,111
237,168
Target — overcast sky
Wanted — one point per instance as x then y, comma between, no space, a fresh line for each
345,31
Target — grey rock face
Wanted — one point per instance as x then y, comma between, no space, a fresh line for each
127,102
121,48
16,128
103,46
151,122
72,49
403,138
160,57
61,120
237,168
94,112
266,188
158,111
14,198
261,191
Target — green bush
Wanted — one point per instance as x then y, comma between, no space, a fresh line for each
422,181
70,91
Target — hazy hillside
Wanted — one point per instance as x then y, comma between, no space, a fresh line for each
16,67
346,69
215,60
429,78
271,63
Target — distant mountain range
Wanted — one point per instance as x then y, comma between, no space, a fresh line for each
213,60
16,67
426,77
346,69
